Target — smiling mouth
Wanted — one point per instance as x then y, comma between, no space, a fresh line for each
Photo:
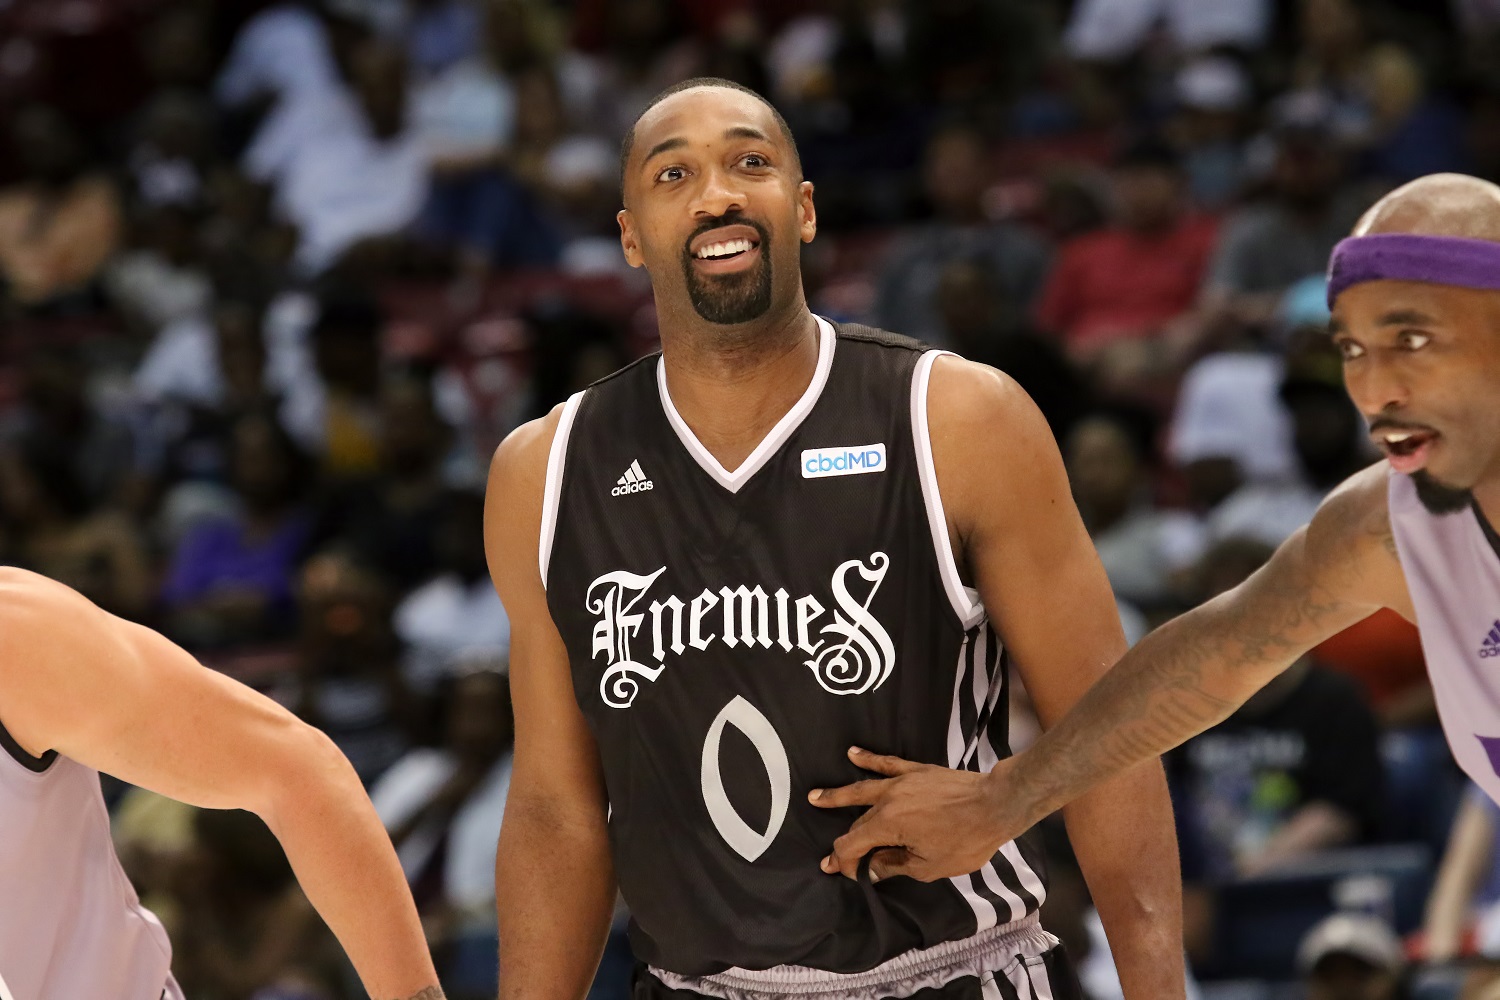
725,249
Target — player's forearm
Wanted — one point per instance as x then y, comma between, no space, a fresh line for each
555,895
346,865
1126,844
1183,678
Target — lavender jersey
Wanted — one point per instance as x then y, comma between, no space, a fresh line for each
1452,567
71,926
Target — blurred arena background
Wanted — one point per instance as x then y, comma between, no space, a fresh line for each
276,277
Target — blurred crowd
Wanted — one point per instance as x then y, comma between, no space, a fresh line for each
277,275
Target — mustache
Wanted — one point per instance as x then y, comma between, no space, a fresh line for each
1392,424
727,219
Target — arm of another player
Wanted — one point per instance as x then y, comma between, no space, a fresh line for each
554,875
122,699
1183,678
1011,514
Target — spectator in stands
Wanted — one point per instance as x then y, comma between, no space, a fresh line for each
391,518
971,55
231,579
283,52
61,222
161,279
1463,912
348,169
454,620
1328,438
984,325
1266,247
1110,458
1212,97
443,805
1294,771
484,119
247,932
1352,956
955,176
1123,298
339,417
1114,29
349,681
56,415
50,527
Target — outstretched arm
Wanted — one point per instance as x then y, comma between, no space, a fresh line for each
122,699
554,875
1183,678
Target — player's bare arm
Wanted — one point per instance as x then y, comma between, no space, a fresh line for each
1012,520
554,876
1194,671
122,699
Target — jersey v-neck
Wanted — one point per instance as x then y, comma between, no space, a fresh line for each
774,439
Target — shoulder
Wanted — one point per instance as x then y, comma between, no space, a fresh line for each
1356,514
967,394
526,449
39,615
30,601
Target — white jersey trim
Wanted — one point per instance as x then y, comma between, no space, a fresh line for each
965,600
552,492
772,442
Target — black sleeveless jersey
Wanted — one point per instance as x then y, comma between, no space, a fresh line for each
731,635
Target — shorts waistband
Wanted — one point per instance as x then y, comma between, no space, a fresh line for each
991,950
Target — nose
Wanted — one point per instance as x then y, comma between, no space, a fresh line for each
1379,385
718,195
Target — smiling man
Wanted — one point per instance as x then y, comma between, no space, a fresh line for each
1415,294
727,563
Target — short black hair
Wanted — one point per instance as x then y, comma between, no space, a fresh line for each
628,143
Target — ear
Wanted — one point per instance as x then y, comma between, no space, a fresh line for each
807,213
628,241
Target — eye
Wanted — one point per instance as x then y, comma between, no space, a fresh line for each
1413,340
671,174
1349,349
754,161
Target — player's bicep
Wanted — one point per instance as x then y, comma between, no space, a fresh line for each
1036,569
120,698
555,755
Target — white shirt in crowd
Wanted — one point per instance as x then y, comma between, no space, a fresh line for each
447,624
469,869
280,52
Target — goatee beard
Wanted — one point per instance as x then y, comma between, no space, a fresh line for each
1440,498
728,299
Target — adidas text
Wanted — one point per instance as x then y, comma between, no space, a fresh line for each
634,481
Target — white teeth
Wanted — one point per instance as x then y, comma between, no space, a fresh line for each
1396,437
723,249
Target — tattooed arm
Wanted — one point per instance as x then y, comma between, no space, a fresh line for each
1182,679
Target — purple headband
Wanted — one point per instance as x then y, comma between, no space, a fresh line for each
1439,260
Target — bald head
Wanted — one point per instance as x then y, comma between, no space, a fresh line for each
1437,205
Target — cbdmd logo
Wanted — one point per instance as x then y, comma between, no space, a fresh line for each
820,462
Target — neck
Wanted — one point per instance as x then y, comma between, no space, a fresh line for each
1487,496
731,386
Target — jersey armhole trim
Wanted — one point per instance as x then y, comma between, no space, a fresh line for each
34,764
965,600
552,493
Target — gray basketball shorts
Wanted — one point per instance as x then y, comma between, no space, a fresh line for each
1018,961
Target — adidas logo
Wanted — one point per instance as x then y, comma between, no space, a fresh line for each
1491,644
634,481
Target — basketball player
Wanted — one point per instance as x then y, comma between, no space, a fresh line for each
1415,294
726,563
82,691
